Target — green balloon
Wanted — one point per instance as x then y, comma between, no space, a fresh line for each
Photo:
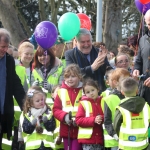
68,25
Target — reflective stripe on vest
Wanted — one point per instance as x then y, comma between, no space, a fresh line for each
36,144
86,133
52,78
112,101
7,142
66,102
33,141
109,141
134,129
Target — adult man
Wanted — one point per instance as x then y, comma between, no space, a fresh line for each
92,62
10,85
142,62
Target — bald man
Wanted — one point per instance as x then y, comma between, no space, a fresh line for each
142,62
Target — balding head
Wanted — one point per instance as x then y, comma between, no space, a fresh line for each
147,19
4,35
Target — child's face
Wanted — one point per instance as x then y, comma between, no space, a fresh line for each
72,81
38,101
122,62
91,92
27,55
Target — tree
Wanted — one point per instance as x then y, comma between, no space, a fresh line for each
112,22
22,17
9,19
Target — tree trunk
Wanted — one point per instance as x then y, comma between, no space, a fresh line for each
42,10
10,21
113,24
54,10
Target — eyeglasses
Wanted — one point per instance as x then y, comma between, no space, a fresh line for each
121,61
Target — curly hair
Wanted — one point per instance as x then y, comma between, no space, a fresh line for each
29,100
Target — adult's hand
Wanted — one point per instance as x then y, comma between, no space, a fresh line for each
147,82
136,73
99,61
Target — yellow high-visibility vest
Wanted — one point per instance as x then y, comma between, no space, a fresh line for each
66,102
86,133
134,129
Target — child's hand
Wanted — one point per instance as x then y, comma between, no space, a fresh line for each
98,119
58,141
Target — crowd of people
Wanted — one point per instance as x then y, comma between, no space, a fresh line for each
75,96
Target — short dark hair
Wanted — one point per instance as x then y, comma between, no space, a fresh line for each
129,86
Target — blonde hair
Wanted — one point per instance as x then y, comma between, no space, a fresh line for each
72,69
24,45
118,72
29,97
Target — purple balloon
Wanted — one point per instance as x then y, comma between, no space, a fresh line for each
143,8
46,34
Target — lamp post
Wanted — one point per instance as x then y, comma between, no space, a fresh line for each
99,21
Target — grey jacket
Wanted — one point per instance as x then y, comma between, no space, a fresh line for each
57,64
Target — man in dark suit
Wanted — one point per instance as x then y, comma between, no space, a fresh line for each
10,85
91,60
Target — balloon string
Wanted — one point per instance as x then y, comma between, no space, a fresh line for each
63,51
45,54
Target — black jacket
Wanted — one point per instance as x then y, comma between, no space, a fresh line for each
77,57
142,63
13,88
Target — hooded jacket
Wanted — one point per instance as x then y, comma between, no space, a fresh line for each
133,104
59,114
85,122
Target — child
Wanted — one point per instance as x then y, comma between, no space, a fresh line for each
37,122
122,61
132,118
65,103
90,117
110,103
108,82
